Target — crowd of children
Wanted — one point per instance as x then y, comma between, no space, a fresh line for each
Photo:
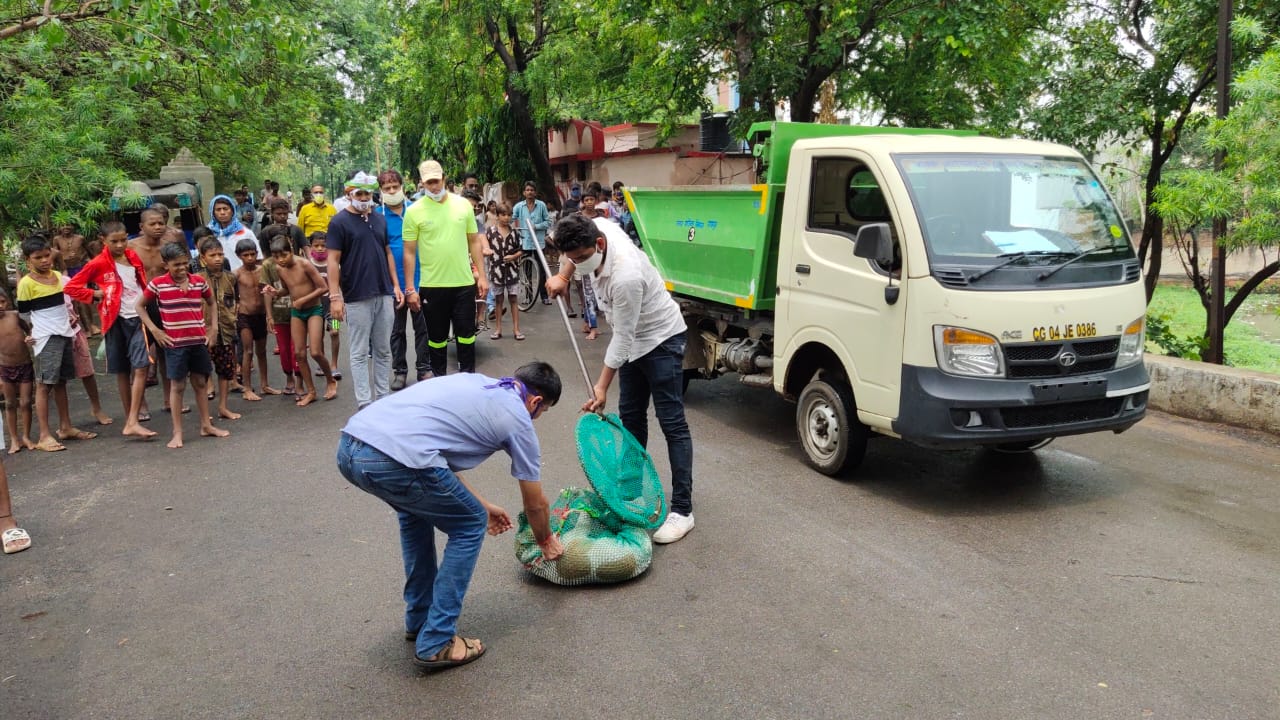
161,312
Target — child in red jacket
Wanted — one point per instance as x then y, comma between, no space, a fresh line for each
118,272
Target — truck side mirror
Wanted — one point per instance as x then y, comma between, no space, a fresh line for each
874,243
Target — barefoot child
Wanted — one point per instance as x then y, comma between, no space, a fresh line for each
190,327
84,364
251,319
119,274
40,295
148,246
504,277
303,282
70,254
223,350
281,312
319,258
16,374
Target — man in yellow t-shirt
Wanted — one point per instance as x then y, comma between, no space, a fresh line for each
443,227
316,214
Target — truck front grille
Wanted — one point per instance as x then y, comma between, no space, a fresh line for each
1041,360
1062,413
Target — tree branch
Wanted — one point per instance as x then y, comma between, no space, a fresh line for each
1238,299
87,10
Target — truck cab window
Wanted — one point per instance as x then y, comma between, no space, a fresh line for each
844,196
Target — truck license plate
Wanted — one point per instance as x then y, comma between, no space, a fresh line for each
1064,390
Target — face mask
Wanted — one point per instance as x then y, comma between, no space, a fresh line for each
396,198
317,198
361,206
435,196
590,265
319,255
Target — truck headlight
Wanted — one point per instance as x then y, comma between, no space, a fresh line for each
967,352
1131,343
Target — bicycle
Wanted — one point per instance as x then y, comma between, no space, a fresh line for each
529,277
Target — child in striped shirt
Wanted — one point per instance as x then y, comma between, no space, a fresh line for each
187,313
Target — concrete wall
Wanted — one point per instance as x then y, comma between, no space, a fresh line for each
1214,393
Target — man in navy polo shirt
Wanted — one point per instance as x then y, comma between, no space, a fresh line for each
363,288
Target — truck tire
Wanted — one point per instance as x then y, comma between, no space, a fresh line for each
827,424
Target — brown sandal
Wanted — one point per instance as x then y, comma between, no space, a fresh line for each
443,660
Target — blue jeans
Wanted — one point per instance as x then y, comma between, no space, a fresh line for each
369,334
659,375
425,500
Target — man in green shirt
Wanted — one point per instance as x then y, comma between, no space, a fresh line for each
443,226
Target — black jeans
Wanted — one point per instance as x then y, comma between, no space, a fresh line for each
443,306
658,374
400,346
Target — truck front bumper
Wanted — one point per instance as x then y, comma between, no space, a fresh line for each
948,411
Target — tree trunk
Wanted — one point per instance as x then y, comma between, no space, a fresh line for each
527,130
1151,247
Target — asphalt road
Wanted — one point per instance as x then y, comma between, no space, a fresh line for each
1128,576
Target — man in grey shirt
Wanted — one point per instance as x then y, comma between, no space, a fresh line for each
646,350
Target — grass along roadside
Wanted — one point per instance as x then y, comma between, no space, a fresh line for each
1252,338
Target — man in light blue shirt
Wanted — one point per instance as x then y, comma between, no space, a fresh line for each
393,207
533,212
407,449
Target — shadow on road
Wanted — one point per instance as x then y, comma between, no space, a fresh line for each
944,482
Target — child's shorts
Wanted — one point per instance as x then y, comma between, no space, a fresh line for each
224,360
500,290
56,361
126,346
306,314
83,360
330,325
187,360
255,324
18,374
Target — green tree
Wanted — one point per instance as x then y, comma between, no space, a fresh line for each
491,74
98,92
1246,192
1136,73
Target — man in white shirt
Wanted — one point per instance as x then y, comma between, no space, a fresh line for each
646,349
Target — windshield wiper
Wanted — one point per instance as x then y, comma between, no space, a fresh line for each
1010,258
1050,273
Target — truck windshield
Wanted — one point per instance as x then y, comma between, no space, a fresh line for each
1010,220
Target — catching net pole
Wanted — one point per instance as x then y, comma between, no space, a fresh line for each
564,314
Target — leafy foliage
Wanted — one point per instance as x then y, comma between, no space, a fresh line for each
96,93
1246,191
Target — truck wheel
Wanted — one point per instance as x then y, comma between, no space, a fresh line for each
827,424
1025,446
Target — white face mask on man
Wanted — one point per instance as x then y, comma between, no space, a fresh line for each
589,265
361,206
393,199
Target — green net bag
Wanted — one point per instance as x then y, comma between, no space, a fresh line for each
598,547
603,529
621,471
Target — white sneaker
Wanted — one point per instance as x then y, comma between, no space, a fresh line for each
676,527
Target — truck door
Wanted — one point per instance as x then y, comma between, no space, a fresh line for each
833,297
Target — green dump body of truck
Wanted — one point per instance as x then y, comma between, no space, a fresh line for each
719,243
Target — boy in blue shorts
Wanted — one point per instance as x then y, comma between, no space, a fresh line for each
190,327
